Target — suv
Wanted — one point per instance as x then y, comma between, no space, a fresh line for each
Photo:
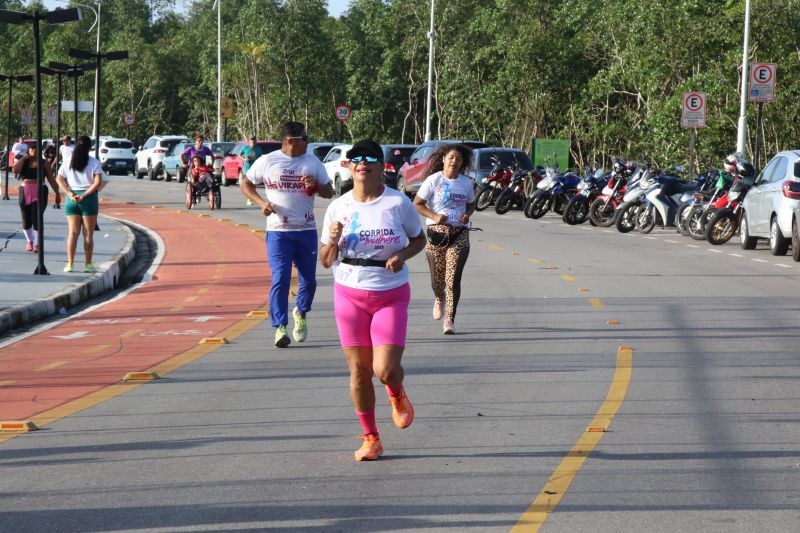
233,164
335,164
153,152
394,157
117,154
772,205
412,174
320,149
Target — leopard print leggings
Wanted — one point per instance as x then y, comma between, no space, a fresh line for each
446,264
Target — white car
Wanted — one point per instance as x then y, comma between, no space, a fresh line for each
772,205
153,152
117,155
336,163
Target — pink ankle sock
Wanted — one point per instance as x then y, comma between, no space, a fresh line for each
394,391
367,419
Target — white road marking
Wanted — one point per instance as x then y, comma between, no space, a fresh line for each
692,246
607,231
715,251
735,255
760,261
673,242
782,265
651,238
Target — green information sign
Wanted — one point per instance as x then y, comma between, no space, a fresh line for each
549,151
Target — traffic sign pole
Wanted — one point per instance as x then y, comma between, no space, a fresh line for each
757,155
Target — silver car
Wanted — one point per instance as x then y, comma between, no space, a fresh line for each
772,205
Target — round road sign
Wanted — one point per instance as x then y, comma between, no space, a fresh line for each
129,119
343,112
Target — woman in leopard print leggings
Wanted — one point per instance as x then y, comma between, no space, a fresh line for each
447,200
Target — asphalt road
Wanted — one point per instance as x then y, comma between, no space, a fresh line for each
702,431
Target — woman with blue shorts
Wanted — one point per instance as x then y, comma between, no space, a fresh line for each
367,237
81,176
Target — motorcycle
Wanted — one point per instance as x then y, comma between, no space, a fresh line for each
660,204
514,194
703,190
492,185
603,208
590,186
554,192
638,185
726,221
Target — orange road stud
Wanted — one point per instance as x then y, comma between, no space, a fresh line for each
514,253
597,430
18,426
623,347
204,215
612,322
140,376
583,289
552,267
242,225
258,313
156,207
214,340
223,220
130,203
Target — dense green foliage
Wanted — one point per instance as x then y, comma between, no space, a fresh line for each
606,74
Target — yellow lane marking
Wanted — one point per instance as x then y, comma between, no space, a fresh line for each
535,261
562,478
98,348
176,309
130,333
156,319
567,277
191,299
495,247
51,366
597,303
112,391
203,290
6,382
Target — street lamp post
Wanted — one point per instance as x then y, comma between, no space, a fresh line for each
97,56
11,80
430,77
741,137
59,16
218,4
74,72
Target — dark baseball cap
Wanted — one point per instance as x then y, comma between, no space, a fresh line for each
366,147
253,138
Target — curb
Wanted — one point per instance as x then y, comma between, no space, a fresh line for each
100,283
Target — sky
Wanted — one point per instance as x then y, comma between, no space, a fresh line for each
335,7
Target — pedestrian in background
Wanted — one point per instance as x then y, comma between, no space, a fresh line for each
26,169
367,236
291,178
50,155
447,199
250,154
81,176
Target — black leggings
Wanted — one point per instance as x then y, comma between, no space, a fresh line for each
30,214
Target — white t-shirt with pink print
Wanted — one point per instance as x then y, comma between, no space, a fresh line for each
377,229
447,196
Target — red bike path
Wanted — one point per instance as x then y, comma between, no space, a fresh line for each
212,274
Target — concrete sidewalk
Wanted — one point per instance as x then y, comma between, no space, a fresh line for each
25,297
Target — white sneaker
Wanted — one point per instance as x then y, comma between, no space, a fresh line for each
438,309
300,331
449,327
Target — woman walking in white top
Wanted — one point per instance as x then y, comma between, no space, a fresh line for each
81,176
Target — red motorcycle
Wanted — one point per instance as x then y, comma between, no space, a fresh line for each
604,207
493,185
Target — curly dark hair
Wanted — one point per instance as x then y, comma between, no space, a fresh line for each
436,162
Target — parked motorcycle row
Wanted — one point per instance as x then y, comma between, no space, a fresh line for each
630,197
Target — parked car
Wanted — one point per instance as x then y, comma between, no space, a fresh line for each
772,206
117,155
320,149
233,164
482,163
336,164
394,157
172,164
153,152
412,174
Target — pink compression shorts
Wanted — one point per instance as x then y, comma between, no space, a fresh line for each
371,318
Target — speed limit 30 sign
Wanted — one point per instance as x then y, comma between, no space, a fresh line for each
762,82
343,112
693,112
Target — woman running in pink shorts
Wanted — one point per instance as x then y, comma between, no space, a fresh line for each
367,236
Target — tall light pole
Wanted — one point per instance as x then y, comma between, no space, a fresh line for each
218,4
59,16
430,78
741,137
74,72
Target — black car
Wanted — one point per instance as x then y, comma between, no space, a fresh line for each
394,156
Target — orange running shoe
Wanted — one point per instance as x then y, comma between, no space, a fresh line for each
402,410
371,449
